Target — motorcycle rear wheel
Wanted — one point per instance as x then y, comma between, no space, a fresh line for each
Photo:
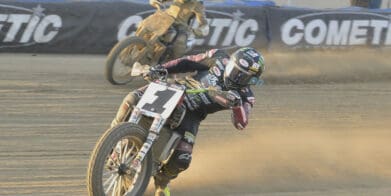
122,57
114,151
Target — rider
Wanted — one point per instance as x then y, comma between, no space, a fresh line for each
228,80
183,11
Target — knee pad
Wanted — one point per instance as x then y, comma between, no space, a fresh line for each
180,159
183,155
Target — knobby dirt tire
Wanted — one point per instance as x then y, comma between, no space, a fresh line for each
113,56
104,146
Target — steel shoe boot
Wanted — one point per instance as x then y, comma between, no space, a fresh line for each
162,191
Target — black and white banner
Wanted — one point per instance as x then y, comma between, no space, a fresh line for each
70,27
85,27
94,27
305,28
229,27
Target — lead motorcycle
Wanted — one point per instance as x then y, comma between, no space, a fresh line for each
151,45
127,155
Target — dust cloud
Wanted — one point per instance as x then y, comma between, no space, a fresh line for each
358,65
281,161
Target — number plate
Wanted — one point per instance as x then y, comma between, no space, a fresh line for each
159,100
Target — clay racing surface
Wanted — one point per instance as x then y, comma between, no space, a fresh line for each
321,126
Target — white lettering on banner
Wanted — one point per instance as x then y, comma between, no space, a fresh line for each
241,39
358,35
234,32
51,20
27,29
218,25
230,29
336,32
310,35
34,20
231,33
16,21
378,26
287,36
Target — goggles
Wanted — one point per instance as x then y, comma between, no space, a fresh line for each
239,76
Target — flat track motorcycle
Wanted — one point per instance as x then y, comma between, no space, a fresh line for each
127,155
151,45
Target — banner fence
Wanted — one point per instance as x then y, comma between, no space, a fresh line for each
94,27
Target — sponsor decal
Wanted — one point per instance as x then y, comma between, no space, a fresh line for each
243,62
226,29
212,80
24,26
217,71
185,156
252,53
255,67
341,29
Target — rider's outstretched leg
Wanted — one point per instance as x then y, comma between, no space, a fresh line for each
127,105
182,156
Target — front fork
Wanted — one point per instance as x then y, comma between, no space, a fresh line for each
153,134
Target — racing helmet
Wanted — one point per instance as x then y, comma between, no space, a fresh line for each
244,68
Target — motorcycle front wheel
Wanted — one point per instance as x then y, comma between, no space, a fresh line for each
121,58
111,158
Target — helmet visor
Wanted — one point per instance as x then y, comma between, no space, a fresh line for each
238,76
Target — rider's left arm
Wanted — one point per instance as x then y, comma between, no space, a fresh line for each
240,115
239,105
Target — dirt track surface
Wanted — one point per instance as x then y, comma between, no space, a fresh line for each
321,126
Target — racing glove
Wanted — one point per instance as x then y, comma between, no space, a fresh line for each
239,116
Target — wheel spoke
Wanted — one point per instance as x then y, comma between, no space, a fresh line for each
120,151
113,161
109,179
111,185
119,186
110,172
129,152
114,188
124,154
